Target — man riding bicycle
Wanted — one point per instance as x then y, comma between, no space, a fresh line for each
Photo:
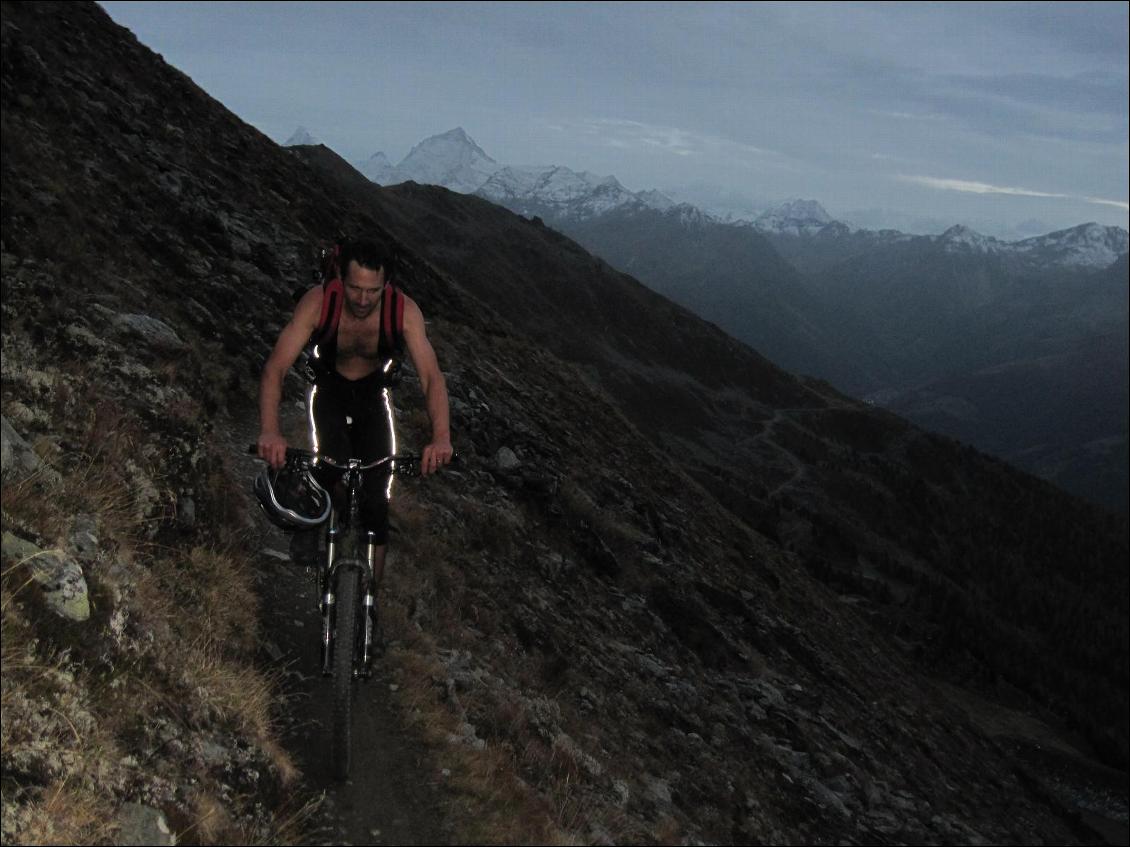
355,357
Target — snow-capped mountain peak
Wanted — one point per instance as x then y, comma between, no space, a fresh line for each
802,210
960,238
795,217
557,191
1088,245
1085,246
378,169
451,159
655,200
300,136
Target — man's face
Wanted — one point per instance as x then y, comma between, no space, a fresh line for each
362,289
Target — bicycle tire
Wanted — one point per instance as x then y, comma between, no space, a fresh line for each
345,643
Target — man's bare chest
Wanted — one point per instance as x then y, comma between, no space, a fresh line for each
359,339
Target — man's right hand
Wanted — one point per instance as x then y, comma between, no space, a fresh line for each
272,448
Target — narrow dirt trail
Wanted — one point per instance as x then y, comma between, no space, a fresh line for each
394,793
767,435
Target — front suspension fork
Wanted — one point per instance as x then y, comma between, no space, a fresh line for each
327,602
370,604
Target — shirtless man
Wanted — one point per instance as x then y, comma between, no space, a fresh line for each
350,403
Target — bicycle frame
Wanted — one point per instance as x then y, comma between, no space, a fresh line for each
345,548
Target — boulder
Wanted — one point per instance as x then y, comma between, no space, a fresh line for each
506,460
156,334
59,576
143,825
17,458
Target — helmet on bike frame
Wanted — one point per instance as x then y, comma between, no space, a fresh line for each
291,497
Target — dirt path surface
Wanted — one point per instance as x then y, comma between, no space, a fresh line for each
394,793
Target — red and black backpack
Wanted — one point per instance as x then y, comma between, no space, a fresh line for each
322,348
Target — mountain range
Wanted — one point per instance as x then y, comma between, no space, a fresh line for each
887,316
453,159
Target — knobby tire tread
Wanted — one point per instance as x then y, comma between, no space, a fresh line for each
345,641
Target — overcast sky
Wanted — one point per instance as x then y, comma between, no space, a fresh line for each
1011,118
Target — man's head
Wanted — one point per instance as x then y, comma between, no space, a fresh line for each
365,268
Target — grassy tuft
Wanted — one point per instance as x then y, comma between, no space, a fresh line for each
62,814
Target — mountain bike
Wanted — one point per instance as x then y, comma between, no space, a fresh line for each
346,592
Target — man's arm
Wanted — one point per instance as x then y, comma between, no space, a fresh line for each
272,444
438,452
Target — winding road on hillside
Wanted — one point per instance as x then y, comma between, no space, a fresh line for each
395,794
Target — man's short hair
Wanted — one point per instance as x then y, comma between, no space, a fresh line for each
368,254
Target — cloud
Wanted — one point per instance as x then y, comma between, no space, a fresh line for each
1118,204
973,187
907,116
625,134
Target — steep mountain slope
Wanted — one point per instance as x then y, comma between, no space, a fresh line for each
675,618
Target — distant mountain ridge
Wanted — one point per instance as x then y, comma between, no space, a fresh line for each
1088,245
561,193
454,160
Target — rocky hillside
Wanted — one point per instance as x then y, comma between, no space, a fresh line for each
674,594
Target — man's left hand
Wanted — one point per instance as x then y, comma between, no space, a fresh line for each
435,455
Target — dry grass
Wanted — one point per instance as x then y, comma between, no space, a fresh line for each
233,692
217,585
288,826
60,814
211,820
87,487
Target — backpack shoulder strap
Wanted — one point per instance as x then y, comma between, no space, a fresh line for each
333,295
392,320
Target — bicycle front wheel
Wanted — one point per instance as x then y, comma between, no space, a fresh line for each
345,643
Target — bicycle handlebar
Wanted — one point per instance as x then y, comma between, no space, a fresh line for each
405,463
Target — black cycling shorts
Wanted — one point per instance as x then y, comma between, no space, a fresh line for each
353,419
